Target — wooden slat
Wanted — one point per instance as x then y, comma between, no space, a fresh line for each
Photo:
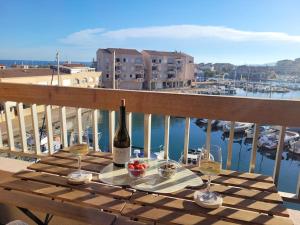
111,129
186,139
262,111
72,163
147,135
63,126
35,127
166,137
84,214
79,124
22,127
239,182
9,126
116,192
190,207
107,155
95,130
254,148
86,158
168,216
240,202
66,194
129,126
229,148
279,151
208,134
246,193
48,111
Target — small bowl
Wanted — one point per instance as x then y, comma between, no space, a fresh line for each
167,169
133,168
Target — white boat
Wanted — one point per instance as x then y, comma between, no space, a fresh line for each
270,141
295,147
238,127
263,130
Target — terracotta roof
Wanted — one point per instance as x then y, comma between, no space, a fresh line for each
161,53
124,51
26,72
2,65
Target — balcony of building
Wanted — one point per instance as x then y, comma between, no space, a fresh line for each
283,113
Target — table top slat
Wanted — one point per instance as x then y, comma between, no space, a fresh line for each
168,216
66,194
223,212
236,174
69,210
264,196
116,192
73,164
272,208
87,158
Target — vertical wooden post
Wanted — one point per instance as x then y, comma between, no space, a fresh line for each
79,124
147,135
279,151
95,130
186,139
230,142
166,139
22,127
35,124
254,148
9,127
63,126
208,134
111,122
129,126
48,111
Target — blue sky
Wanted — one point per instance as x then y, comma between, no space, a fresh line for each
236,31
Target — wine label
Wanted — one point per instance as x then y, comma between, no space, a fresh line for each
121,155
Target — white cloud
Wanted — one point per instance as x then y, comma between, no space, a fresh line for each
176,32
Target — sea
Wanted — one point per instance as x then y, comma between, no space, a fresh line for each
265,160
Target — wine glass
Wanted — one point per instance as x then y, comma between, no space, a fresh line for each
210,164
79,146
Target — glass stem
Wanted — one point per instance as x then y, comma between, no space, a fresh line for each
208,183
79,163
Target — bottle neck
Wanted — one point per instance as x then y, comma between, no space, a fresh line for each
122,117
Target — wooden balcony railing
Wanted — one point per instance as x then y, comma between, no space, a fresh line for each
259,111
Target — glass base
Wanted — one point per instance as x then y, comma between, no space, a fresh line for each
80,176
208,199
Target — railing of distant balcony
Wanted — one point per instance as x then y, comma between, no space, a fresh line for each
258,111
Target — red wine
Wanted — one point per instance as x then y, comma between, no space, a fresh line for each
121,148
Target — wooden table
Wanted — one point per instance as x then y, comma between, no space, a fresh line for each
247,198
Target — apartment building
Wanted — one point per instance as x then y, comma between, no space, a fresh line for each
129,68
167,69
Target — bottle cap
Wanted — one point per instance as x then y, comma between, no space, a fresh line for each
123,102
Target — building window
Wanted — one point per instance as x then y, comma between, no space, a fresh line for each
124,59
107,75
118,60
159,60
130,75
153,60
